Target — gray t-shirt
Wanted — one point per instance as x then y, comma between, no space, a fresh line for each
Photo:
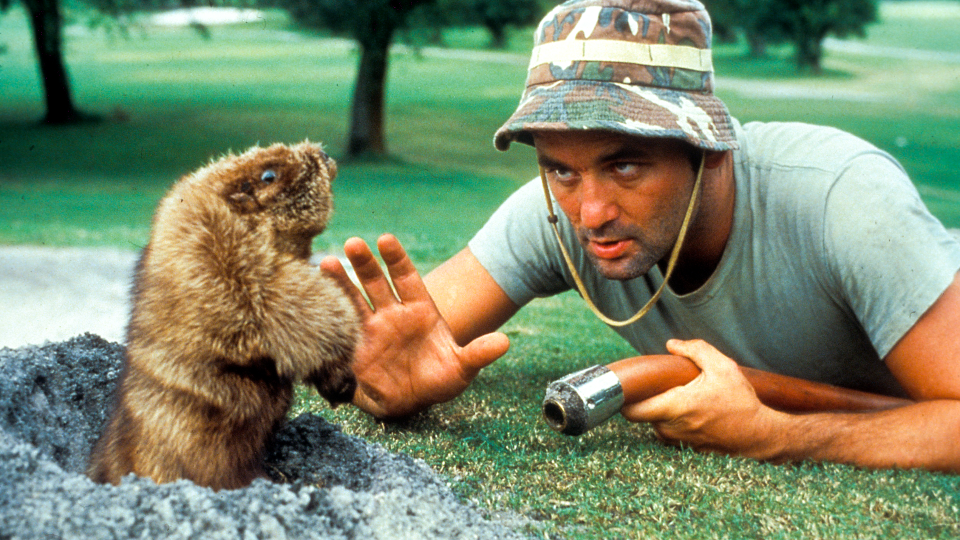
831,260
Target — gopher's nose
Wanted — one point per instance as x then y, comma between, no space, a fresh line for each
330,163
314,153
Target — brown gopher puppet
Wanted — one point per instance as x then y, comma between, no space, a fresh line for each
227,314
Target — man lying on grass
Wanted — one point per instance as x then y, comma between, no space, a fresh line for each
808,253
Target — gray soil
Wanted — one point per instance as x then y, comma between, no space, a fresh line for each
54,399
55,394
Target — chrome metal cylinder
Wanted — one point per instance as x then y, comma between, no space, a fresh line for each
583,400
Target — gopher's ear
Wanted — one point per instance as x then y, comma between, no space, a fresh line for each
243,202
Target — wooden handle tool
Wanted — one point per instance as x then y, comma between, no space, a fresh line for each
583,400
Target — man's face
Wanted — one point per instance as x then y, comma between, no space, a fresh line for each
625,196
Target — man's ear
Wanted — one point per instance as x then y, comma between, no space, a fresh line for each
714,159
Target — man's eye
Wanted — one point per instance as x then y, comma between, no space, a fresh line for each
625,169
562,175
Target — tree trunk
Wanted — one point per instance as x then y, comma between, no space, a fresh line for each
757,44
810,52
369,95
47,31
498,34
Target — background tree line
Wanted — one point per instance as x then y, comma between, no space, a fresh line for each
804,24
374,25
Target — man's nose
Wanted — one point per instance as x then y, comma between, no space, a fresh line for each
598,203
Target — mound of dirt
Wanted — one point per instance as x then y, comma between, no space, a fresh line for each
54,400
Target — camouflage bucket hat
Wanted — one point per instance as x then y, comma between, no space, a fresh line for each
641,67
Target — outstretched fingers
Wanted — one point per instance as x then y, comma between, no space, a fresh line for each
332,267
404,281
407,281
369,273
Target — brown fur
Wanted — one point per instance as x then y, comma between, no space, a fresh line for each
227,315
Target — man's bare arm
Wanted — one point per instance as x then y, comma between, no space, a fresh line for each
468,298
718,411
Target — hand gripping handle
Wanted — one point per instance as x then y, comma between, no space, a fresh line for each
583,400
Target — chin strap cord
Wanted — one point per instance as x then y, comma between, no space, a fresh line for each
672,262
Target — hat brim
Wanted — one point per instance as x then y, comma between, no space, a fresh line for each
643,111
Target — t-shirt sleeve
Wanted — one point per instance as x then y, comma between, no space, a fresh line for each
517,247
891,259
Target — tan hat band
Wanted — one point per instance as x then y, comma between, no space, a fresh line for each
623,52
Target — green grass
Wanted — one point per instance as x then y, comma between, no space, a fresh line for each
173,100
928,25
617,481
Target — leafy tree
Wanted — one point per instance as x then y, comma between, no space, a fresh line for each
497,15
734,17
803,23
806,23
372,23
46,21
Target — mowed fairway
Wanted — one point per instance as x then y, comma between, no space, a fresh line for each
172,100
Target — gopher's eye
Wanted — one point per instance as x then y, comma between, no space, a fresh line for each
268,177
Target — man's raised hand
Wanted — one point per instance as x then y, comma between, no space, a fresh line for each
408,358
